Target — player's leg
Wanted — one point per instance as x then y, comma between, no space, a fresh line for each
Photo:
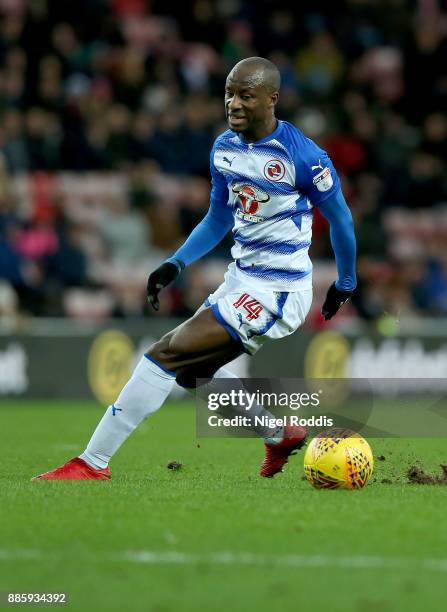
260,316
277,315
214,371
198,341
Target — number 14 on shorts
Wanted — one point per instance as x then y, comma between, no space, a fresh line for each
250,305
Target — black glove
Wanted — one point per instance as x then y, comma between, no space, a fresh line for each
334,300
158,280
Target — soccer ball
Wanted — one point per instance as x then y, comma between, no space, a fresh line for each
338,459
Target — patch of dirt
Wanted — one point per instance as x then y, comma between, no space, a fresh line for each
174,465
381,458
416,475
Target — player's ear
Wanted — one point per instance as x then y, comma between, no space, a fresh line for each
274,97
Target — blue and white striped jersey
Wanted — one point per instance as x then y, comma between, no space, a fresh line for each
272,186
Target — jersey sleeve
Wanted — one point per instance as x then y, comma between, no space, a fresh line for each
219,188
316,176
336,211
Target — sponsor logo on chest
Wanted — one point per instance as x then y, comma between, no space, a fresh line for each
249,199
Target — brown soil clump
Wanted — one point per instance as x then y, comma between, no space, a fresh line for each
416,475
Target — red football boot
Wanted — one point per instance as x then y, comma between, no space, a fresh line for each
75,469
277,455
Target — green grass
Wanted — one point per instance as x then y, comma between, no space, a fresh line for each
289,547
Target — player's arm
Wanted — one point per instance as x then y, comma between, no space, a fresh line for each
337,213
318,179
204,237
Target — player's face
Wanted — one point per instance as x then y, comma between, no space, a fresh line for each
248,107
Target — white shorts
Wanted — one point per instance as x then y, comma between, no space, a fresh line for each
254,316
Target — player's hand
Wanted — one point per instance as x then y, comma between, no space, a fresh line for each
334,301
158,280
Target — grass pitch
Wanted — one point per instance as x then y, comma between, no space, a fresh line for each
212,535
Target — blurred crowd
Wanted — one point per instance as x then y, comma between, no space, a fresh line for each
109,109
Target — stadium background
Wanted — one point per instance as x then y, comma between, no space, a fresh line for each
108,111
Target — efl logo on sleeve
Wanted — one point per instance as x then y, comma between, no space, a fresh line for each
323,181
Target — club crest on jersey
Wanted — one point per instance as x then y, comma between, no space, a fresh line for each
323,181
274,170
249,198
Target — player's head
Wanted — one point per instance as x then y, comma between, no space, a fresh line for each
251,93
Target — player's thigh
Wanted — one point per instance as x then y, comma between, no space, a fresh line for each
201,333
198,339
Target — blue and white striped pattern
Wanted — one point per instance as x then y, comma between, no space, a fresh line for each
244,175
284,247
270,273
281,299
272,236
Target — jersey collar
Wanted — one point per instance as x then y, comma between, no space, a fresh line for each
271,136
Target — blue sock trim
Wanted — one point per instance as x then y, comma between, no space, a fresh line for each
160,366
207,303
227,326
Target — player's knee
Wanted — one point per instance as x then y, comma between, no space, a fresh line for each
192,377
185,378
176,346
160,352
167,350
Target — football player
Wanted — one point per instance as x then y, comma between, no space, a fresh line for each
267,178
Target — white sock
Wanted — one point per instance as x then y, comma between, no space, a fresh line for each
142,395
272,436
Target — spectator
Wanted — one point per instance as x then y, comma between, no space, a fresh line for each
118,103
